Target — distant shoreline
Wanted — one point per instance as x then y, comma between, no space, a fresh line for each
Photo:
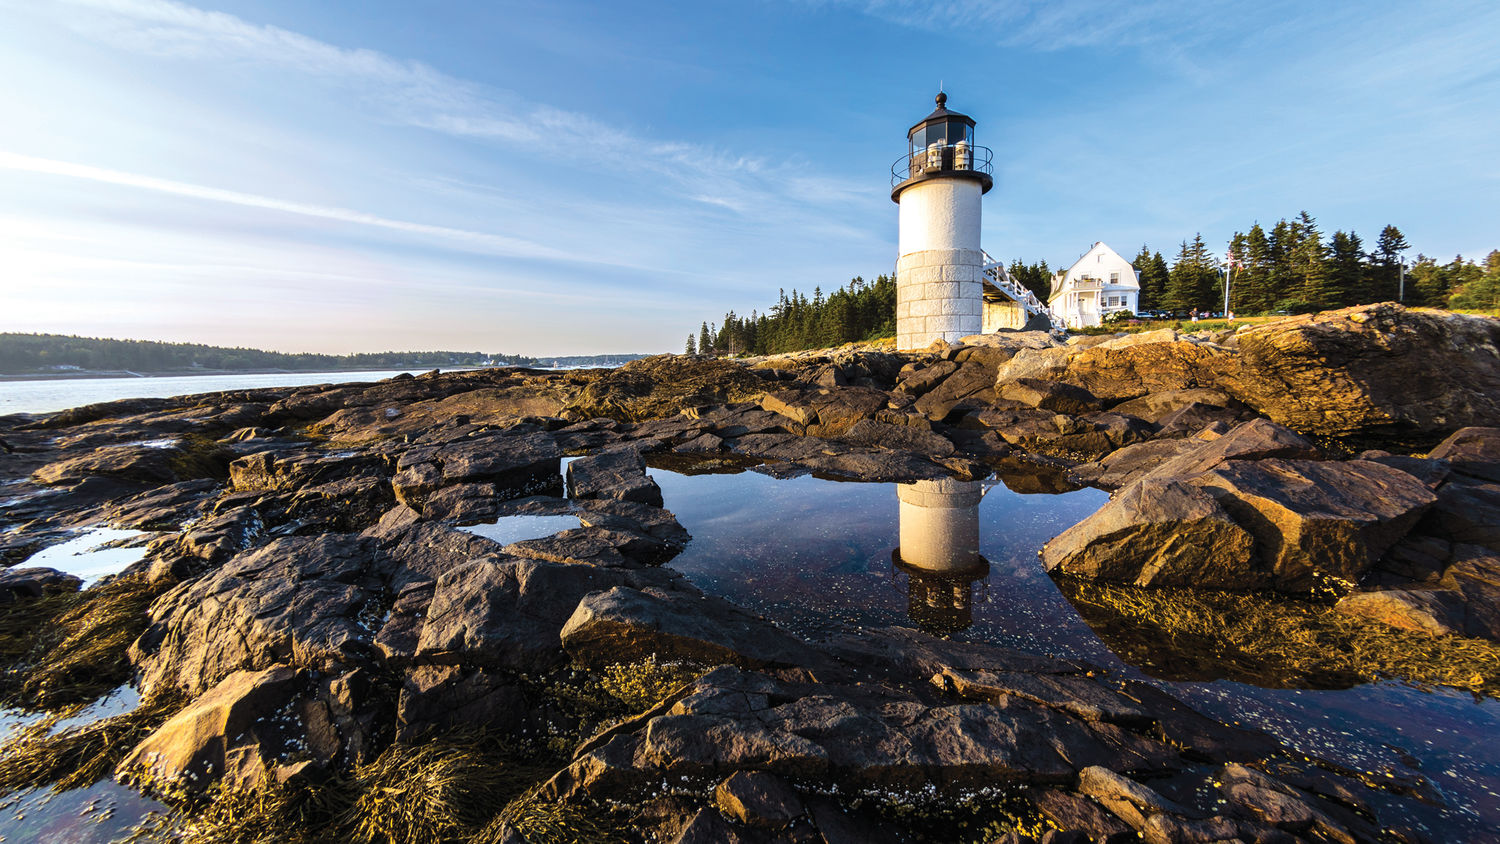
184,373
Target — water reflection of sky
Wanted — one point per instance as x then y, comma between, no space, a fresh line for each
806,552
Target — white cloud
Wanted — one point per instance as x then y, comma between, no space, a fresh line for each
477,241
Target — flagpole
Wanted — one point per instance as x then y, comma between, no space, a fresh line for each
1228,274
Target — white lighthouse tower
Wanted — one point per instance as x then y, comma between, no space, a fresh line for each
940,269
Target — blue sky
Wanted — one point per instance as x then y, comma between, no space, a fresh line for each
561,177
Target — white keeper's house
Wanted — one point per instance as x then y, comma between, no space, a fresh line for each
1098,284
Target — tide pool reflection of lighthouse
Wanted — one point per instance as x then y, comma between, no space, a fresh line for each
939,552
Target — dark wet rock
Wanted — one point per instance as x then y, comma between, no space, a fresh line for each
438,698
1253,440
1158,533
595,546
301,469
701,444
297,601
1466,511
517,465
1127,799
1069,811
624,624
758,799
710,827
1472,451
616,473
1284,807
19,584
1432,611
1314,520
1079,696
220,536
840,459
917,378
1475,573
251,434
1154,406
660,386
972,385
906,655
864,737
869,432
634,517
823,412
1372,370
1125,465
1050,395
143,464
509,613
1188,421
1416,558
163,508
228,731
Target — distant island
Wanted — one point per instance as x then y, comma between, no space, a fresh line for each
54,355
576,361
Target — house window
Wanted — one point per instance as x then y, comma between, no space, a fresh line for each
1114,278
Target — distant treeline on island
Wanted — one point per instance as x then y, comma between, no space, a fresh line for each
23,354
573,361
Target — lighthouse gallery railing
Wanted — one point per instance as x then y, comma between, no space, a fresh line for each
942,158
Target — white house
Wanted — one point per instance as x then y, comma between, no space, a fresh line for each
1098,284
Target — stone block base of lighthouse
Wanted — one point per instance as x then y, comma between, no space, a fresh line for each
939,296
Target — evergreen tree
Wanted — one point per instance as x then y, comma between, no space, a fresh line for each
705,340
1253,276
1344,276
1193,278
1034,277
691,348
1386,276
1153,273
1481,289
1309,264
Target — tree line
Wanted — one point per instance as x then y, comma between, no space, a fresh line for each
29,353
1293,268
858,312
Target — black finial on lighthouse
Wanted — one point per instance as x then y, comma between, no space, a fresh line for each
941,99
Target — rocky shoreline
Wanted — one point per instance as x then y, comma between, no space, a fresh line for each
314,608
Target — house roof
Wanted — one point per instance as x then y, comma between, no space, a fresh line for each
1059,280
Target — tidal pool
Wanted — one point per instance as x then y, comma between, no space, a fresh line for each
960,559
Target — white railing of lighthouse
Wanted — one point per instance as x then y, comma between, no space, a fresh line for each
998,276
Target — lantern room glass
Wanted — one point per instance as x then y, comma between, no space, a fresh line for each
943,133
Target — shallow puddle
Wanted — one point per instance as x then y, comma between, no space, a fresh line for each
508,529
93,554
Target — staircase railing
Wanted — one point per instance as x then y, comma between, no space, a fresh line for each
1019,293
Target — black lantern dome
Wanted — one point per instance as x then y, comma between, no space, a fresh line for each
941,145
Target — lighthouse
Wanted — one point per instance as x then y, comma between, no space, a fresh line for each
938,187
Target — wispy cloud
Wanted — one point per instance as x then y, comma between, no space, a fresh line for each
415,94
1063,24
477,241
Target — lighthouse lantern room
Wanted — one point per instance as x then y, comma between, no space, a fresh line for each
940,269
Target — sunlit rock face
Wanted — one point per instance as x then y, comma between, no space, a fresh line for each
939,552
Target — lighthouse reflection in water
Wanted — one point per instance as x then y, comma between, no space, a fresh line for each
939,553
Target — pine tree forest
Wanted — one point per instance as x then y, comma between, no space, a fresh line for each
1292,268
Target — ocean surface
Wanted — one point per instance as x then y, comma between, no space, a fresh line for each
48,395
